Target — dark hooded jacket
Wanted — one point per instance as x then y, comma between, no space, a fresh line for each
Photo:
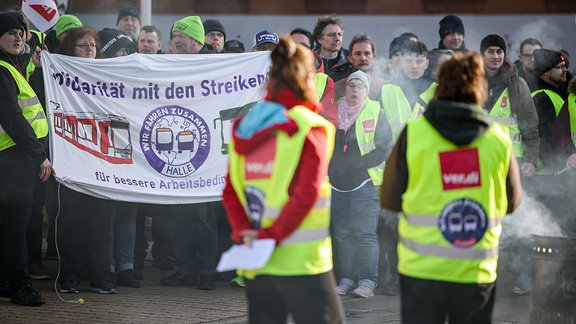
457,122
546,119
339,67
521,105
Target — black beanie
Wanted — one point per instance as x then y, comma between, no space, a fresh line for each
450,24
213,25
492,40
9,21
546,59
127,11
113,40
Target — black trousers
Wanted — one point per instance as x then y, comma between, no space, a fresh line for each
83,234
430,301
16,197
34,234
309,299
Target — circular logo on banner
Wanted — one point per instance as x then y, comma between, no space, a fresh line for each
255,198
463,222
175,140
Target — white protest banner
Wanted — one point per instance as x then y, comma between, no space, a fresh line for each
148,128
42,13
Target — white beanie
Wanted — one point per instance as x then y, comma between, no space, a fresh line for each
362,76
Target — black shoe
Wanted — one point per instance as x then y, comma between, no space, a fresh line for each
138,274
127,278
27,296
69,286
105,285
6,289
180,279
207,282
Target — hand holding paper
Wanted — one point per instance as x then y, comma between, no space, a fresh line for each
244,257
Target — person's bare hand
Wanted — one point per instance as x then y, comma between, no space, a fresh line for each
46,170
248,236
36,56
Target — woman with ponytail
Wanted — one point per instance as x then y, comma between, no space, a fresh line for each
277,188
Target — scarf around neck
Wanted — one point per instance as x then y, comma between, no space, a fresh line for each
347,114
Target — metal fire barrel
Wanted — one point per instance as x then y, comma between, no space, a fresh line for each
553,295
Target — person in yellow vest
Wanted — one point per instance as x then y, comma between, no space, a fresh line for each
363,141
550,68
453,175
408,97
509,102
564,131
277,187
564,140
22,159
34,234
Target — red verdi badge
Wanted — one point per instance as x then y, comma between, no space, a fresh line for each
460,169
260,162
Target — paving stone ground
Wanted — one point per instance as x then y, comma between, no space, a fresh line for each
154,303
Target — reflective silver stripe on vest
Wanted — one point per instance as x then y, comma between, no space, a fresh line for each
504,121
516,137
28,102
432,221
307,235
449,251
39,115
572,135
367,146
273,213
397,127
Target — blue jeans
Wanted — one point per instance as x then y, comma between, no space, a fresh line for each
354,221
123,236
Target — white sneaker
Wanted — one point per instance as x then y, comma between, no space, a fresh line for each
363,291
343,289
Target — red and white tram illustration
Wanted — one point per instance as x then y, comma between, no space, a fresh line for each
106,136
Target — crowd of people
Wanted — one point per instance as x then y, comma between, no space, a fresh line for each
369,106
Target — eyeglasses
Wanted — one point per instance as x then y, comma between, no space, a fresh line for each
215,34
86,45
356,85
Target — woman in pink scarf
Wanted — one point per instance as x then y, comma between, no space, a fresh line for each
363,141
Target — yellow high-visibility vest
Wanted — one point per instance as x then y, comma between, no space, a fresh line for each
308,250
30,105
452,220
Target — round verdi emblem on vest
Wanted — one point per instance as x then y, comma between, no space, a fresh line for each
255,199
175,140
463,222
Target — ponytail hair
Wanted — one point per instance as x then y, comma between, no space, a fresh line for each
291,65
